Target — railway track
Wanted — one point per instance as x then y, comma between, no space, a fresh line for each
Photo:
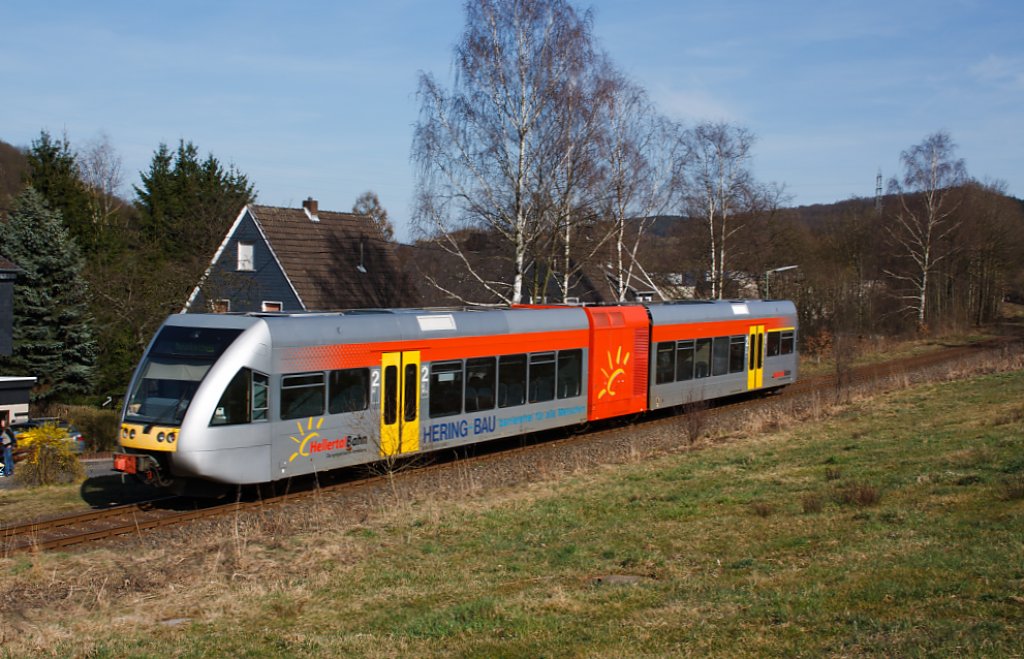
98,525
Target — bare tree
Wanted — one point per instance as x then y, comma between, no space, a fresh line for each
640,154
719,187
481,147
100,169
369,204
928,195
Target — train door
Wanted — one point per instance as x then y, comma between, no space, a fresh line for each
400,403
755,357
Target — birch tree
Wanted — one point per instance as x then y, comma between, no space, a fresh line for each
928,197
719,186
640,153
481,146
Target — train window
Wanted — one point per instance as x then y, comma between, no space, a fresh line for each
302,395
702,360
570,373
390,395
410,400
787,343
511,380
720,356
737,353
773,343
233,407
349,390
666,364
542,377
480,375
260,396
684,360
445,389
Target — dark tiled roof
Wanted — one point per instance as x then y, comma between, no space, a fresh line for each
7,266
321,259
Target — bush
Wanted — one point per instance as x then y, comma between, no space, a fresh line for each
46,458
859,494
100,427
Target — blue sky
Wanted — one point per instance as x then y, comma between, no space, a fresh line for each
318,98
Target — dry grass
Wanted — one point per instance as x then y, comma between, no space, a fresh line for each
468,568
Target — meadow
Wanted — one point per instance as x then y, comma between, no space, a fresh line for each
893,525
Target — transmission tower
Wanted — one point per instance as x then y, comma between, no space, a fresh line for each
878,192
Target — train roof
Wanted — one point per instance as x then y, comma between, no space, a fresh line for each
695,311
369,325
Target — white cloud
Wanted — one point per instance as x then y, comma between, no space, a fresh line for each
1002,71
693,105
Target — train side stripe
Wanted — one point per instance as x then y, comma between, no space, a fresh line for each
683,331
365,355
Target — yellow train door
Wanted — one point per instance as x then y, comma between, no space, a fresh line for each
755,357
400,403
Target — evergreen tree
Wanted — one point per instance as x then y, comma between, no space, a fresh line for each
54,173
185,204
53,338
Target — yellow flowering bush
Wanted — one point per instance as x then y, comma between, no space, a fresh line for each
46,458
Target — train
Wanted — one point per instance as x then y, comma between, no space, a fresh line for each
255,398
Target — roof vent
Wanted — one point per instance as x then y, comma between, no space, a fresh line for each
311,206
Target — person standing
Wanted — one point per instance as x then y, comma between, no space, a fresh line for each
8,442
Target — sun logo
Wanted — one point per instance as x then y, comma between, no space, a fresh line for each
615,373
305,437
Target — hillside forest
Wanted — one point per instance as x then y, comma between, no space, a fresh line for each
514,206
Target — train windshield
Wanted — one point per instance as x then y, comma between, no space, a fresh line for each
173,370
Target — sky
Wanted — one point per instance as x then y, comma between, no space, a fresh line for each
318,98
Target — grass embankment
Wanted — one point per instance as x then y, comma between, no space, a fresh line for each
895,528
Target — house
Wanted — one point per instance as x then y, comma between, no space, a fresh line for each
301,259
14,391
8,273
444,279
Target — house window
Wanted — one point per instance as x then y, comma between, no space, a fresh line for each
271,306
220,306
245,262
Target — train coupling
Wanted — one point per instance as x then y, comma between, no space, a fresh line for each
145,467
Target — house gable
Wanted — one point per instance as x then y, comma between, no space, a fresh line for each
248,286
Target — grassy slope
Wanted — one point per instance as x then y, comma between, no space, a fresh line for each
762,546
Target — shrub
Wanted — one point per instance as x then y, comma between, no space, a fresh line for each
812,503
761,508
1013,489
100,427
859,494
46,458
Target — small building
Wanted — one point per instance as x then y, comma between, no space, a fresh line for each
301,259
14,391
14,396
8,273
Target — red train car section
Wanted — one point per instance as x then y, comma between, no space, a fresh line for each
619,354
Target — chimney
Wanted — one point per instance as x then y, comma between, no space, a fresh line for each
310,205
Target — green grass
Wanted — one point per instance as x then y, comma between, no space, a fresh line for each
914,548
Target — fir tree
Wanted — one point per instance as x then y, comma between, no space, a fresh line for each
54,172
186,205
53,338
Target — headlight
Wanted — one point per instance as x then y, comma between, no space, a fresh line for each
170,438
131,434
124,433
160,437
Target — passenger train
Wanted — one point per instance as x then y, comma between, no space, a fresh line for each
259,397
